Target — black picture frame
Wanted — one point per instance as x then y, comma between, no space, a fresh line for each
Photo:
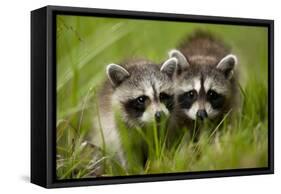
43,95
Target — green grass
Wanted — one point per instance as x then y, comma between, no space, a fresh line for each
85,45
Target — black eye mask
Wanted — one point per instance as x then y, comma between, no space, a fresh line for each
136,107
216,100
167,99
187,99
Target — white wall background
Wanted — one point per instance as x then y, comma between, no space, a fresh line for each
15,94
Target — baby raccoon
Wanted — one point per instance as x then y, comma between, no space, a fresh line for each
206,85
141,92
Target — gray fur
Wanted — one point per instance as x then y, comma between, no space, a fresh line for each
182,61
227,65
125,83
208,66
116,74
170,66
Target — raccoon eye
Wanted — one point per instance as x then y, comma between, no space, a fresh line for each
217,100
191,94
212,94
141,99
187,99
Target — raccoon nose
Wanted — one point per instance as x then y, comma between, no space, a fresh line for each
202,114
158,116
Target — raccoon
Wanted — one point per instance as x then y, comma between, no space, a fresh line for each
206,87
141,91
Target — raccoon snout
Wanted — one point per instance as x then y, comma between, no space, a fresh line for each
202,114
159,115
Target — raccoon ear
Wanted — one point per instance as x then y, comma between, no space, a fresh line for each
170,67
182,61
227,65
116,74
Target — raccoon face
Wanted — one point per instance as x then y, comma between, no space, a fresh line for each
142,91
205,91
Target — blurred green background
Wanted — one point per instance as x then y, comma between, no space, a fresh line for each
85,45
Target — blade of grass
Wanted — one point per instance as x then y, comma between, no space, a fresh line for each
107,43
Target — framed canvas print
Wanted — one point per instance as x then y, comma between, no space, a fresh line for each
125,96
